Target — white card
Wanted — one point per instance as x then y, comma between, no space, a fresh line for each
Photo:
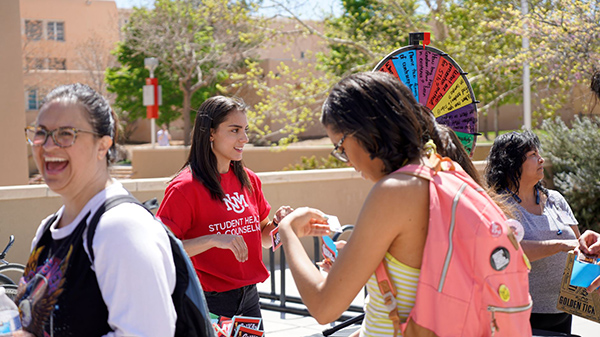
334,223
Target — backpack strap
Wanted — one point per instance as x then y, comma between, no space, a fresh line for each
420,171
388,291
108,204
387,288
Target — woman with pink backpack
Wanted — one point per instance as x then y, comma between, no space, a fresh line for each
432,248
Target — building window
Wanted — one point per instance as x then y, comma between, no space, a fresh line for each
56,31
33,100
33,29
57,64
39,64
35,63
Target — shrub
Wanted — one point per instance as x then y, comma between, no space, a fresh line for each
575,157
313,164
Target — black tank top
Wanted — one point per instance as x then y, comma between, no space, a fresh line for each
59,293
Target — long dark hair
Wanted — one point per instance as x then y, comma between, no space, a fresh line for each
447,142
505,161
100,115
383,115
202,161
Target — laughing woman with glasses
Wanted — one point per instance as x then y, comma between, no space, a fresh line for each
125,290
62,137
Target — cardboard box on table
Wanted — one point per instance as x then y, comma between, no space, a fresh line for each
576,300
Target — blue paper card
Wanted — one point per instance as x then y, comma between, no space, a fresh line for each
329,249
584,273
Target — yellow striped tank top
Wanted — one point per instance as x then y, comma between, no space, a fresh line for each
405,278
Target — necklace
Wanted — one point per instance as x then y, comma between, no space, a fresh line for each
517,199
537,202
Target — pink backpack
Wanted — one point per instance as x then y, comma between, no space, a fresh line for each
474,277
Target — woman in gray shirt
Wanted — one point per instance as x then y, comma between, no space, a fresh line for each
515,168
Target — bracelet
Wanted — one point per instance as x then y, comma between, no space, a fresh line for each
274,222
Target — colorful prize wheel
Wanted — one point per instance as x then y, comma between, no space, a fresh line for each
437,82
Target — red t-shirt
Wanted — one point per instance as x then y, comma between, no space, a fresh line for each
190,212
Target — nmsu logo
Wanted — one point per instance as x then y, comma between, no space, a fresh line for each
237,203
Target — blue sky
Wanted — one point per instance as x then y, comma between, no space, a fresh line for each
308,9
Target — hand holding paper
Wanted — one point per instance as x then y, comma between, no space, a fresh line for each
589,243
330,250
584,273
306,221
334,223
281,213
587,274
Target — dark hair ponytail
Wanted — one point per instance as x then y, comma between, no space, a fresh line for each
447,142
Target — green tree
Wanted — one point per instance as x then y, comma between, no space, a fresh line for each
564,49
127,81
368,30
481,49
198,43
484,36
291,97
290,100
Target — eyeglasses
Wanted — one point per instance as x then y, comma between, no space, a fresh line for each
62,137
340,154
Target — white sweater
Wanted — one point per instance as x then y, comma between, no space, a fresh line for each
133,263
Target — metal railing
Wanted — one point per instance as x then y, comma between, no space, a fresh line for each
269,299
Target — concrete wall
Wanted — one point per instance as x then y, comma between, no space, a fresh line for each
338,192
148,162
481,151
13,166
158,162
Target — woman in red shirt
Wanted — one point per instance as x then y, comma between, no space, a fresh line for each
217,208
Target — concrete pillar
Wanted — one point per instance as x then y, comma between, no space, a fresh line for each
13,165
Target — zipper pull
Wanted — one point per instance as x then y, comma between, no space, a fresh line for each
494,324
